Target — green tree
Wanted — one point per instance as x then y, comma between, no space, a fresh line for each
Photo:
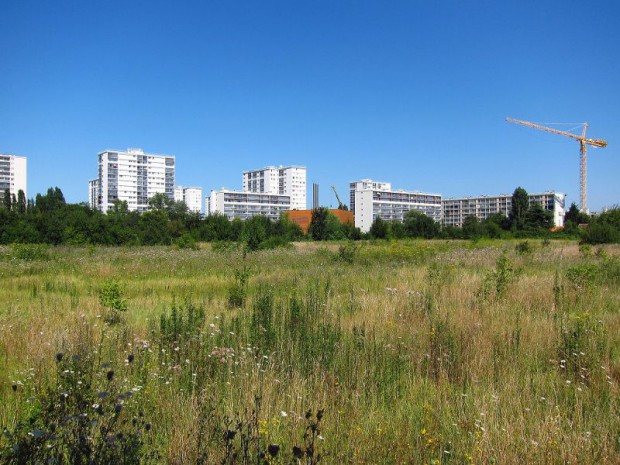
160,201
255,231
472,228
538,218
6,202
520,206
21,202
154,228
318,224
574,216
417,224
379,229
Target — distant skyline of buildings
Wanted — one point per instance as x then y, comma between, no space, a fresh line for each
134,176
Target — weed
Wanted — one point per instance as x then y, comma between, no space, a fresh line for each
86,417
524,248
585,250
238,291
111,297
582,277
347,252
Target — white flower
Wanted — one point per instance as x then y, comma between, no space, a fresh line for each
283,414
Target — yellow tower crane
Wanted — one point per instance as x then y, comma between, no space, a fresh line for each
583,142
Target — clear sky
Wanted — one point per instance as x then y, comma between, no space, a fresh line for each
411,92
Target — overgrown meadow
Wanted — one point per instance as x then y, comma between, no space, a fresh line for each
389,352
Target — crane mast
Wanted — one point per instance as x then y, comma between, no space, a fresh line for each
340,204
583,143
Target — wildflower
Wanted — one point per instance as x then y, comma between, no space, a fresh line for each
147,427
110,375
283,414
118,408
298,452
273,449
59,357
130,358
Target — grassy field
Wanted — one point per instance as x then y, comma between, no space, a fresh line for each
387,352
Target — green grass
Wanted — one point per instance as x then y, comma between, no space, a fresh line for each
418,352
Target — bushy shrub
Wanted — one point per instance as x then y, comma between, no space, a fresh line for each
110,297
347,252
186,241
30,252
238,291
274,242
524,248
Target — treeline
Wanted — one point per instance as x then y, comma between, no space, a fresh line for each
49,219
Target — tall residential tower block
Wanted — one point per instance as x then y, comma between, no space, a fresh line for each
289,180
13,174
133,177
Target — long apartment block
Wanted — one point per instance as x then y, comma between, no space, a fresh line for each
245,205
371,200
456,210
132,176
13,174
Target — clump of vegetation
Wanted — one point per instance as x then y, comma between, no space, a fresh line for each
524,248
582,277
111,298
580,346
585,250
347,252
225,246
187,241
497,281
85,417
30,252
238,291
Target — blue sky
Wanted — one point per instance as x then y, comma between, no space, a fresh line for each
413,92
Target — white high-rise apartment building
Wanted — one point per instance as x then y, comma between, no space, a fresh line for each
289,181
192,196
364,184
93,193
133,177
456,210
245,205
13,174
374,200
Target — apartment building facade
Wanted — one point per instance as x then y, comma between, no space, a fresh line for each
456,210
192,196
13,174
245,205
373,200
93,193
133,176
365,184
289,181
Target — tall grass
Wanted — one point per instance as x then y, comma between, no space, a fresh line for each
412,351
